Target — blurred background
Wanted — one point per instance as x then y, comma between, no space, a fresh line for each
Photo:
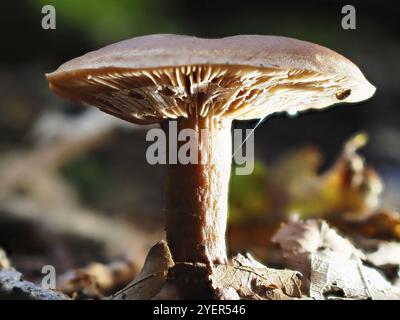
75,187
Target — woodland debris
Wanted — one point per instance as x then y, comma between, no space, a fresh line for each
4,262
13,286
75,220
168,292
387,253
332,264
334,276
245,278
383,255
97,279
152,277
346,194
381,224
349,189
354,185
54,126
32,188
298,239
252,280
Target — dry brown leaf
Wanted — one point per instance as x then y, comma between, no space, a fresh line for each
334,276
381,224
245,278
387,253
299,238
331,263
252,280
382,255
152,277
4,262
350,188
97,279
358,184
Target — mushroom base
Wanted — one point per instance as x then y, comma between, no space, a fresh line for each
197,193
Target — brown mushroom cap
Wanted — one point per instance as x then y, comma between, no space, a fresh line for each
151,78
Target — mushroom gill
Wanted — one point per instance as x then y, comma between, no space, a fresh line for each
237,92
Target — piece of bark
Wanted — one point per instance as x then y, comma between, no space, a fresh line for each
152,277
13,286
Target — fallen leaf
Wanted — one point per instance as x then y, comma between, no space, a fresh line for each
243,278
97,279
152,277
252,280
298,239
349,189
388,253
334,276
331,263
4,262
381,224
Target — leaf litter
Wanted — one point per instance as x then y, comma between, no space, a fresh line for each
334,267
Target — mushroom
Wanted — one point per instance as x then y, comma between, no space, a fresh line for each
206,84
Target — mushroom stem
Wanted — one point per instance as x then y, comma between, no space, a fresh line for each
197,194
